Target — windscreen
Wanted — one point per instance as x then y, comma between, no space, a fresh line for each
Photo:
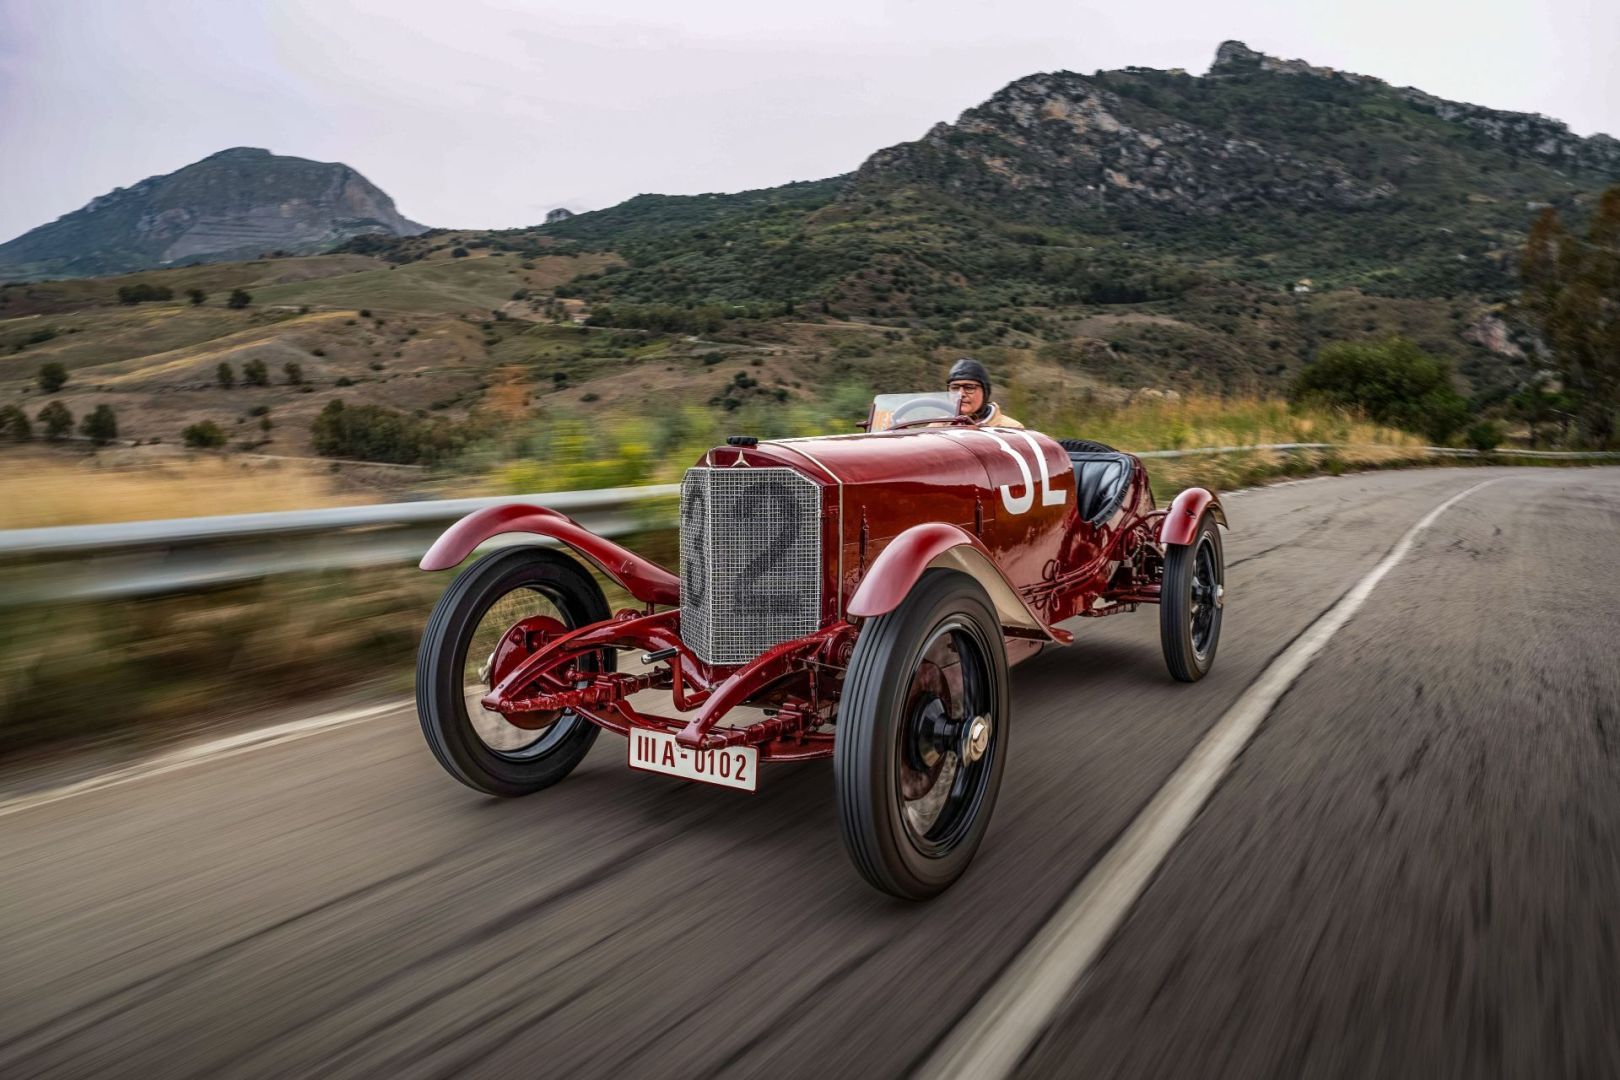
891,409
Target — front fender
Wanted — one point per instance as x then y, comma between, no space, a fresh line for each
1181,520
646,581
896,570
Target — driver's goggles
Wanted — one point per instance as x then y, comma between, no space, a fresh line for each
963,387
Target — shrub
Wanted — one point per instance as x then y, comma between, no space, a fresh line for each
197,296
14,424
365,313
57,419
101,426
204,435
52,377
240,298
225,376
143,292
294,372
1393,382
1484,435
373,433
343,380
254,373
459,253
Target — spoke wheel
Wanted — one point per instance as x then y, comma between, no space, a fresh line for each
497,612
944,740
1192,602
922,735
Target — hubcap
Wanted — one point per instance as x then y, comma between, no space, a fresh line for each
977,741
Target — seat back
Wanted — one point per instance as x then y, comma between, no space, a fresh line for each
1100,483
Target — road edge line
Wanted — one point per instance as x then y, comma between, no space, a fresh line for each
996,1034
186,756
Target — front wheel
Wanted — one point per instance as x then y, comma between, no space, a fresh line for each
482,627
922,737
1192,599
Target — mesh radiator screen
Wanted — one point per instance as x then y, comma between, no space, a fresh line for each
750,561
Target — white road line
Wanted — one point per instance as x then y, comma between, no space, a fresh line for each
212,750
996,1034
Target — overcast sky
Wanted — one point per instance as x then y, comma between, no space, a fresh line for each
487,113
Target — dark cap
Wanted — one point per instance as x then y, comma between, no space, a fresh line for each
968,369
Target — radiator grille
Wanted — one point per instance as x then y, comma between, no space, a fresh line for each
750,561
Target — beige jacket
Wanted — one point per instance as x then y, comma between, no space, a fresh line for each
997,418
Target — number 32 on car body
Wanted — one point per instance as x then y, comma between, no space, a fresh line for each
1021,503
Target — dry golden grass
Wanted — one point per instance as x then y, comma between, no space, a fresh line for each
42,489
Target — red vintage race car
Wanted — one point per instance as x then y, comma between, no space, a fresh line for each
859,597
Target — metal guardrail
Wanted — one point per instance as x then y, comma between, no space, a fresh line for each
84,562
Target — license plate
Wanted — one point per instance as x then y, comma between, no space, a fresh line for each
657,751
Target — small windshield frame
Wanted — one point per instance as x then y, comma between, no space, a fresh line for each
892,410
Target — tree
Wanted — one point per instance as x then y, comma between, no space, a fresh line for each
1572,289
142,292
58,420
101,426
295,373
226,377
52,377
1393,381
254,373
240,298
373,433
14,424
197,296
204,435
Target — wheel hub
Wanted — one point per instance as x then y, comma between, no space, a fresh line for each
976,740
517,644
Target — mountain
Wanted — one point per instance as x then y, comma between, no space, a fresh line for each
234,204
1215,228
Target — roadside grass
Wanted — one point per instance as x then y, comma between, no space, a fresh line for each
136,671
38,489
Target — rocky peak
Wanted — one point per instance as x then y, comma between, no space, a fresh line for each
1057,142
1530,134
233,204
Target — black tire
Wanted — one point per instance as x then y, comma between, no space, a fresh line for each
1086,446
441,665
1192,602
874,815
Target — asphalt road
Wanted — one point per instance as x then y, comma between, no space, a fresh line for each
1409,871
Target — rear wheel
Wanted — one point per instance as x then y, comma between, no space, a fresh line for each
922,737
489,618
1192,599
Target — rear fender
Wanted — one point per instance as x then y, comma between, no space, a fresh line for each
1181,520
646,581
901,564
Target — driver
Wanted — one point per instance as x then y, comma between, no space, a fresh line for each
970,379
